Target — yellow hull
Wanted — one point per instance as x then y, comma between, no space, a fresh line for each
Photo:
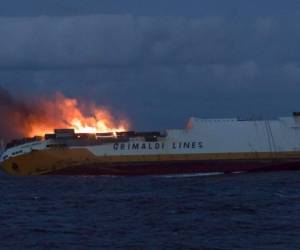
56,159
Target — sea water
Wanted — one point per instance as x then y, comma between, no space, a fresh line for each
232,211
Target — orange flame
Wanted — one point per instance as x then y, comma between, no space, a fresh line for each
63,112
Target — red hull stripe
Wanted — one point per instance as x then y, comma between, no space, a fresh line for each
178,168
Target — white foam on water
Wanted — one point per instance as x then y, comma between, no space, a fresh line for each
190,175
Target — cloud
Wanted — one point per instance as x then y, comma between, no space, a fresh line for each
148,67
125,40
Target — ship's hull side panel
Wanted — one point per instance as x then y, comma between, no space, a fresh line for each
82,161
207,145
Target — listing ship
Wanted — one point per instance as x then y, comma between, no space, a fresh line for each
204,146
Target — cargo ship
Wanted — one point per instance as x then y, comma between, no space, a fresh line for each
204,146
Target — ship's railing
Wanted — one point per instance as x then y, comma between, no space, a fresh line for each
18,142
69,134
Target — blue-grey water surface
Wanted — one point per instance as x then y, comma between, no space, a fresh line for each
238,211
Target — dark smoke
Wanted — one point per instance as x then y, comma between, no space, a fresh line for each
17,115
13,116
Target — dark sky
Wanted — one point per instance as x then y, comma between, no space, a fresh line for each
158,61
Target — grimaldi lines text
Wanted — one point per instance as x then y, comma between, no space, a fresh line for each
205,145
157,145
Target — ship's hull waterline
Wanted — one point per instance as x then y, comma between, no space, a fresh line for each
82,162
204,146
